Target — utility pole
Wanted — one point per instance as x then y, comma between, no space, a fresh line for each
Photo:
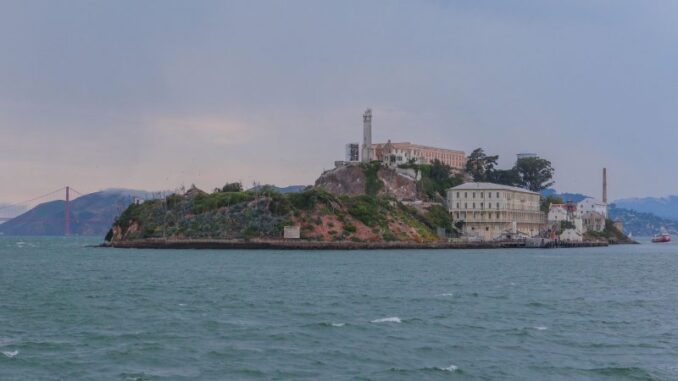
67,213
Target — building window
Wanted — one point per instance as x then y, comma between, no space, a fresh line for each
489,194
458,195
482,194
474,205
497,205
487,228
465,194
497,194
457,205
474,194
465,205
481,205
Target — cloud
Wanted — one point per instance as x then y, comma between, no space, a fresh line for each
211,91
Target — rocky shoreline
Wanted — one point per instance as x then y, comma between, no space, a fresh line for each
320,245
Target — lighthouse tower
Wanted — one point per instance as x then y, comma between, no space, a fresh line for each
367,137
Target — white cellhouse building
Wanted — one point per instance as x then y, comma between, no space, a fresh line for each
491,211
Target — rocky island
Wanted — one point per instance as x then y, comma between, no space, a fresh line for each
359,206
353,206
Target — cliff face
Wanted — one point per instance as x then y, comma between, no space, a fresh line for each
321,215
354,180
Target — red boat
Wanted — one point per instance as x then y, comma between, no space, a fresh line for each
662,237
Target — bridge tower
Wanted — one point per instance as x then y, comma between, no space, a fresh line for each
67,212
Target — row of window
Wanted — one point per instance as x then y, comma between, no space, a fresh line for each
489,215
473,194
473,205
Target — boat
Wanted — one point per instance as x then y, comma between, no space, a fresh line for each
662,237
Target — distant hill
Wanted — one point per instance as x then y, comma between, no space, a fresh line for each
283,190
641,223
92,214
574,197
666,207
10,211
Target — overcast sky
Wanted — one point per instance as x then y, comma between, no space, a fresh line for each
155,94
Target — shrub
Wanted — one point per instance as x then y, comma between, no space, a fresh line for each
350,228
232,187
372,182
207,202
308,199
365,209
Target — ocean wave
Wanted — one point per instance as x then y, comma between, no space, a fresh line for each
338,324
451,368
394,319
540,328
10,354
447,294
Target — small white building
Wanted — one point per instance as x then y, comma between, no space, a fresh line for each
591,204
593,221
558,213
571,235
292,232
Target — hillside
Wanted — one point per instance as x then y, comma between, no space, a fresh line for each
565,196
640,223
665,207
91,214
321,215
373,179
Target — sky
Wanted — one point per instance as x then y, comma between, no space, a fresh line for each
157,94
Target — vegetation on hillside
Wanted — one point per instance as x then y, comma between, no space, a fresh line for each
436,178
262,214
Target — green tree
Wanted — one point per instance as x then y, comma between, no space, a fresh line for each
232,187
481,166
545,202
509,177
535,173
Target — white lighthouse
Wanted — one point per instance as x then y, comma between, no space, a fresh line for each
367,136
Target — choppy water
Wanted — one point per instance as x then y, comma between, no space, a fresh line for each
69,312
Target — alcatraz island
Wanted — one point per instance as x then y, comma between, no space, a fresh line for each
384,195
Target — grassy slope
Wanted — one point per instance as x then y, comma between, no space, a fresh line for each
247,215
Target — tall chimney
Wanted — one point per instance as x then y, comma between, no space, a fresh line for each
367,136
605,185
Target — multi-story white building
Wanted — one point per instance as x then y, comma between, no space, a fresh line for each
492,211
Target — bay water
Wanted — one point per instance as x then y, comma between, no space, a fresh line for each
73,312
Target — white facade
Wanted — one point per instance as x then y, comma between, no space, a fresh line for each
557,214
593,221
591,205
367,137
571,235
292,232
492,211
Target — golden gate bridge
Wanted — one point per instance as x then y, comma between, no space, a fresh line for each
67,191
